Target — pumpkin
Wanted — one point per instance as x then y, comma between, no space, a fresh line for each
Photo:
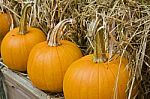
18,43
5,23
48,61
93,77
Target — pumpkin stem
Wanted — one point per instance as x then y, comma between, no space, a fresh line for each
57,32
23,20
99,50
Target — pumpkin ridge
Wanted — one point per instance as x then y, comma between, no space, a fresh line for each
91,72
11,57
43,70
70,47
60,62
42,74
66,45
15,53
63,48
31,66
73,87
107,78
29,69
53,73
68,79
25,48
78,85
51,55
112,72
89,80
99,79
81,85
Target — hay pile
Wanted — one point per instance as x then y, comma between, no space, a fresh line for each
126,23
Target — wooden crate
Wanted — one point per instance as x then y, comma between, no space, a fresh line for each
18,86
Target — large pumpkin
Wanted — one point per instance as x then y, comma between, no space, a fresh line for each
17,44
88,80
93,77
48,62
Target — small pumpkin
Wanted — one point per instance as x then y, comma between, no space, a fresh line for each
18,43
5,23
93,77
48,61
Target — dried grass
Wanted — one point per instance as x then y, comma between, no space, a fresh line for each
126,26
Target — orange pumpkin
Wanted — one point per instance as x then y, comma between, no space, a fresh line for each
93,77
17,44
88,80
48,62
5,23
